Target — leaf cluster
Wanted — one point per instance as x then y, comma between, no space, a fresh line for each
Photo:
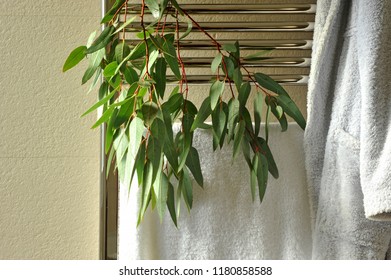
139,110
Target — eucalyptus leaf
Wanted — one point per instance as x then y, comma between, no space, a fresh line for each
160,76
291,109
219,122
129,21
149,110
171,58
187,188
203,113
262,175
258,105
104,118
193,163
74,58
216,62
102,40
244,93
230,67
121,51
171,203
109,70
100,102
229,47
233,107
130,75
94,63
216,90
146,190
238,137
110,14
154,154
253,175
154,7
161,191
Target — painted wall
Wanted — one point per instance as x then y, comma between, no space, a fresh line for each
49,158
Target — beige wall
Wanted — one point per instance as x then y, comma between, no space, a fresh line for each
49,158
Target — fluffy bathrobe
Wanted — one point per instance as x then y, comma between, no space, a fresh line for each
348,136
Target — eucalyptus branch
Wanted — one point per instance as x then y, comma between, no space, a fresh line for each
139,132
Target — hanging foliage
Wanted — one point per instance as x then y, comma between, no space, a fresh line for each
139,111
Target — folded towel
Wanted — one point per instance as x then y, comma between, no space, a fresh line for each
224,223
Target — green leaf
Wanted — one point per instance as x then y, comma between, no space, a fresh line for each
154,154
104,118
94,63
130,75
110,69
237,77
124,114
262,175
103,39
216,62
129,21
267,120
193,163
219,122
291,109
74,58
187,188
100,102
91,39
188,30
203,113
279,114
110,130
230,65
229,47
160,76
174,103
160,188
244,93
135,135
136,131
149,110
146,191
169,147
253,175
137,52
268,83
238,137
153,6
258,104
216,90
171,58
246,152
120,144
269,156
171,203
110,14
258,54
186,139
121,51
233,112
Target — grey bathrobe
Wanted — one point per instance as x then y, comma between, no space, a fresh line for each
348,136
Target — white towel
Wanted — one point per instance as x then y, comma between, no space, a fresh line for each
348,134
224,223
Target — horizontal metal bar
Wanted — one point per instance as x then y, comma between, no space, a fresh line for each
240,8
201,62
236,26
245,44
206,79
